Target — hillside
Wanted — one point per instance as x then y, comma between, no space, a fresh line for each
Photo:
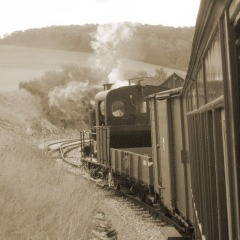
66,81
18,108
20,64
34,189
159,45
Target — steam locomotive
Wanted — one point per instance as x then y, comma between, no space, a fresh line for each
180,147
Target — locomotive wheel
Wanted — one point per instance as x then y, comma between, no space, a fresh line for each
109,179
142,196
133,190
155,201
117,185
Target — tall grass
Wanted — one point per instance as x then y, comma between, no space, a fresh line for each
37,199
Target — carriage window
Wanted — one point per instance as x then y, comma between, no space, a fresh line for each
118,108
102,108
200,88
194,97
188,101
213,66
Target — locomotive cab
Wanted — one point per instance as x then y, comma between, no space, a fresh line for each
122,115
121,107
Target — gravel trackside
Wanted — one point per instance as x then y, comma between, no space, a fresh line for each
128,222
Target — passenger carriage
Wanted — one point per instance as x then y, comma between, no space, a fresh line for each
211,98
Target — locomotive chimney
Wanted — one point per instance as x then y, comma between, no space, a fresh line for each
107,86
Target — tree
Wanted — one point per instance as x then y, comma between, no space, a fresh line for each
160,75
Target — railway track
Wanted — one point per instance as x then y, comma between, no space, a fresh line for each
69,151
148,213
63,148
155,212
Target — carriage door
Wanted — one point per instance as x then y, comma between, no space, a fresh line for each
155,146
226,167
165,135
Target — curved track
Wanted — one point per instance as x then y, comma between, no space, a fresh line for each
65,147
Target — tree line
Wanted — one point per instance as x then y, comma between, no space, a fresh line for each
155,44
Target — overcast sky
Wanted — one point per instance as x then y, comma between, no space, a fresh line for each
24,14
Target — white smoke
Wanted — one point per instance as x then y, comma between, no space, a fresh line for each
109,36
116,78
108,39
71,92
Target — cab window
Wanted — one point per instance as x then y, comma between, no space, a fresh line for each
118,108
143,107
102,108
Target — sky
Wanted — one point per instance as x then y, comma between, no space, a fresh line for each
18,15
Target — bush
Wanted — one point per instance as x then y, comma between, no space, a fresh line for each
66,96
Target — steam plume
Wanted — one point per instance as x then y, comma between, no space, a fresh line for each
59,96
106,45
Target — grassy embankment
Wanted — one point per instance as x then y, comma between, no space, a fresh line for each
37,199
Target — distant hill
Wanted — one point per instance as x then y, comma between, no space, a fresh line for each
21,64
159,45
65,81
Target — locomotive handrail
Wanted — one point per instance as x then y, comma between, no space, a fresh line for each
166,94
209,106
83,141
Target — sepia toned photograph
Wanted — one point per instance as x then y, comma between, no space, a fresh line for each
120,120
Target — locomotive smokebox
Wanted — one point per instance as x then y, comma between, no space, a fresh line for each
107,86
